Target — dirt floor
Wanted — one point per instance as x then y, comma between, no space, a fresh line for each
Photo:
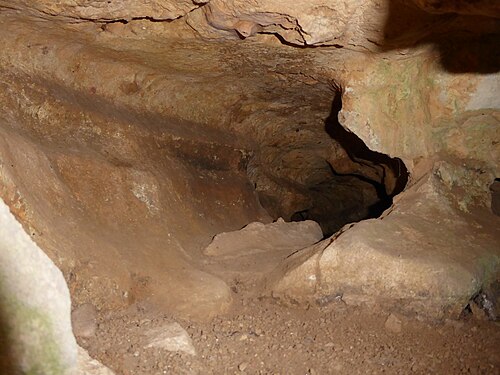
262,337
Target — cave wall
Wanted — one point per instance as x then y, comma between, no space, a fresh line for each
132,132
427,113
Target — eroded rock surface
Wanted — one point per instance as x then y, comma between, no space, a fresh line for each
262,238
424,257
127,143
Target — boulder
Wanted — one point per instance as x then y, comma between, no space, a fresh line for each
35,306
261,238
429,255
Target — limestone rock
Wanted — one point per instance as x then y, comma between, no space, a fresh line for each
317,22
83,320
171,337
260,238
393,324
412,259
119,164
89,366
35,306
107,10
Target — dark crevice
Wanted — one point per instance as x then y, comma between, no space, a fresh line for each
376,209
285,42
495,196
360,153
483,304
341,199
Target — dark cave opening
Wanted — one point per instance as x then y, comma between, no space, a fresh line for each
360,153
363,192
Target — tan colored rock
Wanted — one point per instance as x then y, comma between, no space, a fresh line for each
129,144
107,10
435,115
86,365
261,238
304,23
425,256
393,324
83,320
171,337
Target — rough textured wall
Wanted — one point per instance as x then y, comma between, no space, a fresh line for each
128,143
411,106
107,10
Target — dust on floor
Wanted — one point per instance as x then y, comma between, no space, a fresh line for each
262,337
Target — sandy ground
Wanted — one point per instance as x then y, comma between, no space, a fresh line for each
262,337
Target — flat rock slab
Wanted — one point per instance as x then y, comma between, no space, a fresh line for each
262,238
427,256
171,337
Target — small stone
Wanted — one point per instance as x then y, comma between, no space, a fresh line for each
393,324
86,365
457,324
171,337
243,337
337,368
242,366
477,312
83,320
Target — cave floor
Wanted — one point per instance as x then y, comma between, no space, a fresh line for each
262,337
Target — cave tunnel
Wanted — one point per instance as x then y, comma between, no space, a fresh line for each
185,187
362,193
345,184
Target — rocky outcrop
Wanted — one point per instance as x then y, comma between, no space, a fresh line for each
423,257
36,334
259,238
35,306
106,10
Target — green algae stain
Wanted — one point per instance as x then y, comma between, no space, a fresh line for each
490,267
30,337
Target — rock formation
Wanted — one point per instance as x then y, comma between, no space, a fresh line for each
133,132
